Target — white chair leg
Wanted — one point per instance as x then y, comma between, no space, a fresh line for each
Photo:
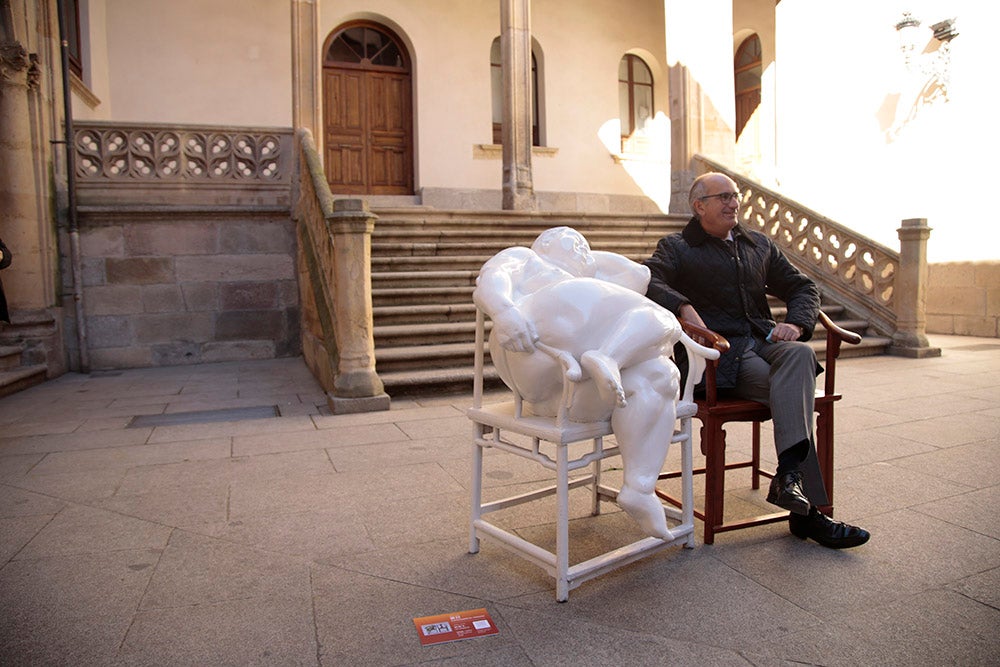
562,524
477,488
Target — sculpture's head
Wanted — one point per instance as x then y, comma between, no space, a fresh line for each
568,249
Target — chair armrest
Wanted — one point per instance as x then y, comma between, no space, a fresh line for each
841,333
835,335
710,339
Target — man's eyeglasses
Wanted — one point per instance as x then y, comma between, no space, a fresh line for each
725,197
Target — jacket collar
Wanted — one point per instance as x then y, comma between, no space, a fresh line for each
695,234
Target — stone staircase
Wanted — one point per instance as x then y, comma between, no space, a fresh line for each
22,353
424,267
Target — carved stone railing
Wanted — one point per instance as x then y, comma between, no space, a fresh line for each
861,272
182,164
335,288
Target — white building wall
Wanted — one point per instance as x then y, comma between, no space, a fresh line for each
842,92
224,62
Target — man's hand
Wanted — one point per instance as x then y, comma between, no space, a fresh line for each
514,331
786,331
691,316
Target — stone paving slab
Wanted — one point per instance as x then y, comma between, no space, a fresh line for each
314,539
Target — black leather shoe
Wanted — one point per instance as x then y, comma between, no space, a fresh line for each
786,491
826,531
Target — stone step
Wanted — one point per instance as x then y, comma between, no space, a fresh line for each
423,334
425,357
437,381
399,279
393,296
19,379
10,356
435,313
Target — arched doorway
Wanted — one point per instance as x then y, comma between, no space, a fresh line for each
367,111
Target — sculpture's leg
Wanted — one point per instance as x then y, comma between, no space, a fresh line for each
643,429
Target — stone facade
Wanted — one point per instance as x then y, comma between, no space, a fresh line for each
182,287
963,298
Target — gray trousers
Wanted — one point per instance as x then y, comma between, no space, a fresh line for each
782,376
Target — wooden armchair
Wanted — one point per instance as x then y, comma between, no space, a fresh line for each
716,411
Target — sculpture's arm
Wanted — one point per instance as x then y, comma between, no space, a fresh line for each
621,270
496,294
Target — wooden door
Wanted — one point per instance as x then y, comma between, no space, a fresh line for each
368,140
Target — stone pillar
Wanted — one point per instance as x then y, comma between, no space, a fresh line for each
515,56
910,292
305,68
356,387
18,191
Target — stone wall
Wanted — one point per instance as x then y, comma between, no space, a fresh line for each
963,298
174,287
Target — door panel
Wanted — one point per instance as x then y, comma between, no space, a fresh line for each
344,142
368,131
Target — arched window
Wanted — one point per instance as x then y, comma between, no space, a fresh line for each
496,85
747,70
635,96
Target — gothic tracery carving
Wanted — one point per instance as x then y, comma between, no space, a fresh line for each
177,154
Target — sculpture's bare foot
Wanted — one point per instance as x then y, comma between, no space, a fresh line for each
646,510
607,376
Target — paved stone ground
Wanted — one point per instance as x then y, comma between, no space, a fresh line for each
134,534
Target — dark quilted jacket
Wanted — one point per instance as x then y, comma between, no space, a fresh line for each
730,292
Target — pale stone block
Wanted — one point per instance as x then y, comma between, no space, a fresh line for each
200,296
109,331
172,238
162,299
976,326
140,270
113,300
940,324
257,237
120,357
249,325
950,274
956,301
237,350
177,353
993,300
102,242
172,327
248,296
987,274
232,268
92,271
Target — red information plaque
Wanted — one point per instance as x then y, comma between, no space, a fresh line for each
454,626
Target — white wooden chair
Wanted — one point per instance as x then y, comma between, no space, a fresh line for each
492,422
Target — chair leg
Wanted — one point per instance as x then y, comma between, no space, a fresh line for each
477,488
714,443
562,524
824,451
755,456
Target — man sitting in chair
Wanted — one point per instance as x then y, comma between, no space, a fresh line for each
718,274
559,309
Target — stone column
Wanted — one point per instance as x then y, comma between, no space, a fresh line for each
515,56
19,193
910,292
306,68
356,387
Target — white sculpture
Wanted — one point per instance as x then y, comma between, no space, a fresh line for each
561,307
